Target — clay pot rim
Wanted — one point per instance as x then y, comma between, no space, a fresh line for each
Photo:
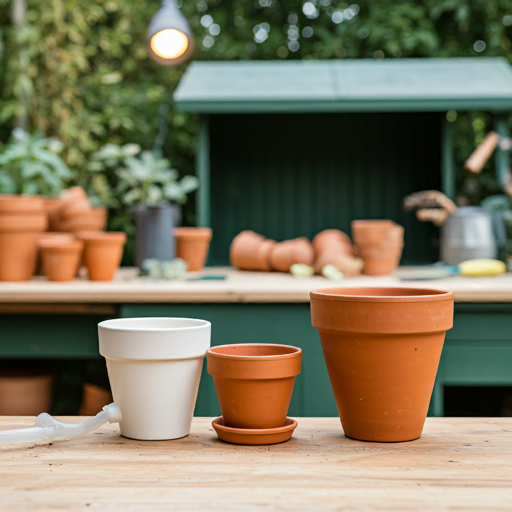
294,352
389,294
191,233
36,221
21,203
289,424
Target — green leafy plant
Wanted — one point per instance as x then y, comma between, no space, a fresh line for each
30,164
126,176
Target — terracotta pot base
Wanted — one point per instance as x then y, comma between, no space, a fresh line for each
254,436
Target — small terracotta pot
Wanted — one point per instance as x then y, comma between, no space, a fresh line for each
49,236
333,240
18,244
254,382
25,393
94,219
60,258
94,399
289,252
74,202
380,260
371,231
102,253
192,245
14,204
382,348
250,251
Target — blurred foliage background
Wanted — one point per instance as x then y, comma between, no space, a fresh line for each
79,71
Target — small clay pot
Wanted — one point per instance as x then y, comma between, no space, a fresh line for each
60,258
18,244
94,399
254,382
333,240
382,348
371,231
289,252
250,251
380,260
102,253
49,236
25,393
192,245
74,202
94,219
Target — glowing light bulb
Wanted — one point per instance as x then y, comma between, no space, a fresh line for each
169,43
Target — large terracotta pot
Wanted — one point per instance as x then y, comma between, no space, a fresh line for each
254,382
18,244
250,251
382,348
60,258
25,393
192,245
102,253
289,252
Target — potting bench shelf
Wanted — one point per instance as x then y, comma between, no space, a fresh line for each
238,286
58,321
459,463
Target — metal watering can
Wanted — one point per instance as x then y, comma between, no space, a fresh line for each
471,232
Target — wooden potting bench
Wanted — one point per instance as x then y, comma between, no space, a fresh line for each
458,464
42,320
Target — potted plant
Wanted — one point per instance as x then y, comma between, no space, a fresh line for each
143,180
30,164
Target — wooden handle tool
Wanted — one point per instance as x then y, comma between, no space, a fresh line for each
482,153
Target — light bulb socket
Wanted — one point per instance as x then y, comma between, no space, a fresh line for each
170,17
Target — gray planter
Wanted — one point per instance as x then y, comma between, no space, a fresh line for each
154,226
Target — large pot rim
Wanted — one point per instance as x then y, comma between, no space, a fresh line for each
293,352
387,294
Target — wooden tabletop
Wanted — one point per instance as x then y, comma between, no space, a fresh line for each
458,464
237,287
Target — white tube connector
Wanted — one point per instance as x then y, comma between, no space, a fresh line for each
48,427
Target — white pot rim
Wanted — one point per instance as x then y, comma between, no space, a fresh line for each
174,324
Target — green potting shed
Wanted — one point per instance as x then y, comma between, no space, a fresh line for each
290,148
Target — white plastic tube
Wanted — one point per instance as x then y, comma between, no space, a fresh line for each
49,428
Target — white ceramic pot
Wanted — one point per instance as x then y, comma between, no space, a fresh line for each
154,366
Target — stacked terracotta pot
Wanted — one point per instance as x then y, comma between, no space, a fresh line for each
380,244
22,220
250,251
72,212
333,247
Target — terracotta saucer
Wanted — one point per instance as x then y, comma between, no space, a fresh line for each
254,436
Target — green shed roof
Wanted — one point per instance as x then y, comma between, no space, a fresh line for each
346,86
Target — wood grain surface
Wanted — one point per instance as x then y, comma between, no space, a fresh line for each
239,286
458,464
